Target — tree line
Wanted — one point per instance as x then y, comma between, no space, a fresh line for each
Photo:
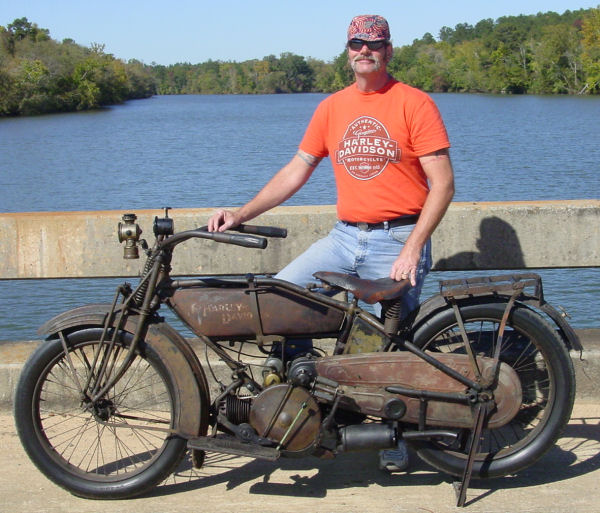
39,75
545,53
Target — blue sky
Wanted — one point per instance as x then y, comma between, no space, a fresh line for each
171,31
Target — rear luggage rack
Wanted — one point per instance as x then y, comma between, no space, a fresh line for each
502,284
512,285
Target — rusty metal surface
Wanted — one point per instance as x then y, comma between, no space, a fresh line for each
286,413
229,313
507,283
363,379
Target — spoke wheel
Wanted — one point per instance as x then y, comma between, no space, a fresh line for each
121,445
532,348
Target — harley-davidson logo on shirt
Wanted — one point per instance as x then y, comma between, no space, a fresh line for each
367,148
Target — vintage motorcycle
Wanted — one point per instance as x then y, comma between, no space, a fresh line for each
477,379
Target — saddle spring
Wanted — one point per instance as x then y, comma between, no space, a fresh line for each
391,314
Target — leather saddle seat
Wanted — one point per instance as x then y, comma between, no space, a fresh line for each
369,291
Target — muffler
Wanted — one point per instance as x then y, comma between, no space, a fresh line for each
366,437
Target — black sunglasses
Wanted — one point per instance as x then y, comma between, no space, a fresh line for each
357,44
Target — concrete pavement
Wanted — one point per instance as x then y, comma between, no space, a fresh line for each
566,479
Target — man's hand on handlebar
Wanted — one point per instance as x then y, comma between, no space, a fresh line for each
222,220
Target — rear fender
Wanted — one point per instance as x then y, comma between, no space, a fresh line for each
172,348
438,302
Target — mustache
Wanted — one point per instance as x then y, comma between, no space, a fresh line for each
364,57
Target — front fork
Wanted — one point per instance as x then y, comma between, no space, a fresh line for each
97,384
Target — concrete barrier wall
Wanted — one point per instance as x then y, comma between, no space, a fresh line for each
502,235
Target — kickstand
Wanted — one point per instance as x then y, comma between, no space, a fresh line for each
481,413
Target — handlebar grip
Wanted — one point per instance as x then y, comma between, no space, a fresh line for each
248,241
265,231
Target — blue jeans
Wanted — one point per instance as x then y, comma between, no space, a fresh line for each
366,254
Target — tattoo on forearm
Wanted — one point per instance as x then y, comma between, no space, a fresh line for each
437,155
309,159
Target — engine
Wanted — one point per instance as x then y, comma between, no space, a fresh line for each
324,402
307,414
287,415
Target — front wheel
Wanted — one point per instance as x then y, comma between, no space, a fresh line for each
532,348
120,446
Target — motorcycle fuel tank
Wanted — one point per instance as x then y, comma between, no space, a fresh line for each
230,313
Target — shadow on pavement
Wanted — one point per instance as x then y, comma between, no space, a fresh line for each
577,453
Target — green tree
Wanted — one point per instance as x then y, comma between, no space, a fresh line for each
508,71
430,71
342,72
558,62
21,28
461,32
86,91
272,82
590,57
324,76
141,83
466,72
7,41
8,94
484,29
404,59
299,77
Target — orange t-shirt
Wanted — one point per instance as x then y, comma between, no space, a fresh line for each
374,141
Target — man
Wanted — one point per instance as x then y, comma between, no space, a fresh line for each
386,142
389,151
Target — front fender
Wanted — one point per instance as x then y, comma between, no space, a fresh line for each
81,317
173,349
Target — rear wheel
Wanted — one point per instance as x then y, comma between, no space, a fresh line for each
532,348
119,447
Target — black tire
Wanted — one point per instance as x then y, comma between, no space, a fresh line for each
545,370
112,451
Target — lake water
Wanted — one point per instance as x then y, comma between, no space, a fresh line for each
204,151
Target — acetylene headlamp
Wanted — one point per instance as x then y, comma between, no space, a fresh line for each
129,232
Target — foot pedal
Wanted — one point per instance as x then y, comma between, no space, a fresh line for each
233,446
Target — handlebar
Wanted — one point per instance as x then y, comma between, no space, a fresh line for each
248,241
265,231
249,236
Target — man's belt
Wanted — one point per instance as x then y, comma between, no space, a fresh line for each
385,225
